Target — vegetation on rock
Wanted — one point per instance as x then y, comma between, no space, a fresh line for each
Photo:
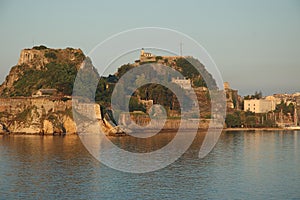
48,68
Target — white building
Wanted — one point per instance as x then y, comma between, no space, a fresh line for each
183,83
259,105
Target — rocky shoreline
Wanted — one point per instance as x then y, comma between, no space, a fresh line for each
162,131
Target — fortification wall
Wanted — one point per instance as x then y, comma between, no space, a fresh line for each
16,105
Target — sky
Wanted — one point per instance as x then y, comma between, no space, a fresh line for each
255,44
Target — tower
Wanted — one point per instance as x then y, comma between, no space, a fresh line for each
142,52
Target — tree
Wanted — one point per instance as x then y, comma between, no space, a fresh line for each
256,95
269,123
123,69
41,47
233,120
50,55
134,105
250,121
158,58
286,109
249,113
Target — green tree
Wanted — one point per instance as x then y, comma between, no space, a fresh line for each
50,55
250,121
269,123
134,105
286,109
123,69
256,95
233,120
41,47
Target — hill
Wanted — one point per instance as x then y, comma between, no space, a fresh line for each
43,68
158,93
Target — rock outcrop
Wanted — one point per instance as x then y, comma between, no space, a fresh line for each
27,106
37,115
69,125
47,127
40,60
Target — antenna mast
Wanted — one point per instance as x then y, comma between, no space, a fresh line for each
181,48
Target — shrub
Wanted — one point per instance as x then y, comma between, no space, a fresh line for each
50,55
41,47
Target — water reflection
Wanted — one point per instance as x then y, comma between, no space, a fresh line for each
36,166
251,165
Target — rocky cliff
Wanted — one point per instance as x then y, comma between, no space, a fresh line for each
21,110
36,116
41,67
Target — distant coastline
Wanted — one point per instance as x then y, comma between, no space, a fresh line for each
161,132
256,129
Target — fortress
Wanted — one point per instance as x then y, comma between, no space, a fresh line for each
147,57
18,104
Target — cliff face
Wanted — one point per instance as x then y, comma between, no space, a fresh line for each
36,116
38,57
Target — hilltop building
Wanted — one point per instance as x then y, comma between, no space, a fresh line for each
147,57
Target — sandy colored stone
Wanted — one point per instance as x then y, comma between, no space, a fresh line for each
47,127
69,125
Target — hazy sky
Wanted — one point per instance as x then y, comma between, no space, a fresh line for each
255,44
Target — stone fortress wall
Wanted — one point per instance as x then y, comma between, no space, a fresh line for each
18,104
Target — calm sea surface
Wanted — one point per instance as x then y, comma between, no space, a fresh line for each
243,165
